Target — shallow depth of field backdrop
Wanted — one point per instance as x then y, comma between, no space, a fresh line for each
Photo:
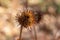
29,19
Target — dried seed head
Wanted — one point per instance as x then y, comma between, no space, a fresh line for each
38,16
26,19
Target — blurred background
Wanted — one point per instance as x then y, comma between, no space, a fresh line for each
45,12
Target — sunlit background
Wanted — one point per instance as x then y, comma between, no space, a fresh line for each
45,19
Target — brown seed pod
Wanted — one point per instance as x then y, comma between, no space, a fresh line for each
26,19
38,16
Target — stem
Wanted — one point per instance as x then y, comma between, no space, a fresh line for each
20,32
30,31
54,36
35,34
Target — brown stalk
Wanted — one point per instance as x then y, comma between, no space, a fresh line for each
35,33
30,31
20,37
